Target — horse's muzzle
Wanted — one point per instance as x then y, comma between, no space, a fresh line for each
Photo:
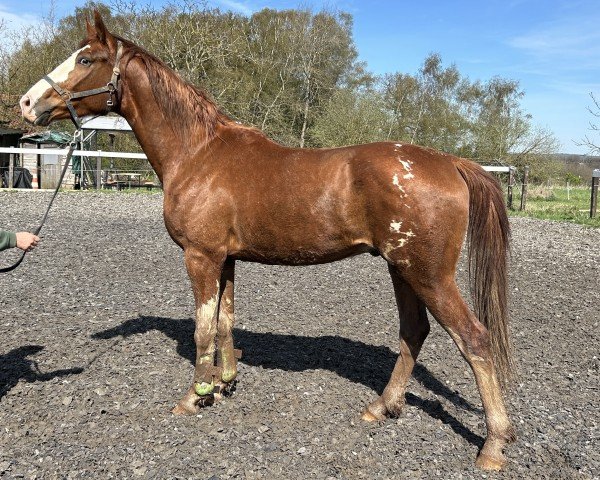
27,109
30,111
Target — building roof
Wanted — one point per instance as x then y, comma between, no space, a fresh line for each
110,123
49,136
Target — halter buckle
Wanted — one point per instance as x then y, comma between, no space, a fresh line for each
110,86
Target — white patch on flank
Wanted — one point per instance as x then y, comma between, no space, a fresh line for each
398,242
395,227
399,145
59,74
402,242
406,164
407,167
396,181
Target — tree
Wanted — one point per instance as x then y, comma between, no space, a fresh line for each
592,144
427,106
352,118
274,70
503,133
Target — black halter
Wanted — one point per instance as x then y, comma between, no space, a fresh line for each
111,88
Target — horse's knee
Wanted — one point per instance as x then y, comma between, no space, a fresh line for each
206,325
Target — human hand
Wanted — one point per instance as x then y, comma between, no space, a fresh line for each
27,241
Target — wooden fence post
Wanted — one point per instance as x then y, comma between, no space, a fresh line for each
511,184
524,188
594,198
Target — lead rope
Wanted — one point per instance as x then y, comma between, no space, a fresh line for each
72,146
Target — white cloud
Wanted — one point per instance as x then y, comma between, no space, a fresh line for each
571,38
236,6
16,21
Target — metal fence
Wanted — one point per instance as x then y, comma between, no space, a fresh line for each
88,172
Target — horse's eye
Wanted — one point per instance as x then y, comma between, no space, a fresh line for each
86,62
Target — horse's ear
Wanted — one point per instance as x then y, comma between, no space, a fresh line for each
91,31
102,32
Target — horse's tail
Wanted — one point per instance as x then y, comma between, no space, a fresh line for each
488,237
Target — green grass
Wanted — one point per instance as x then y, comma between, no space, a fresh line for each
555,203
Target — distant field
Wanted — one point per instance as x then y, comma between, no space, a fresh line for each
557,203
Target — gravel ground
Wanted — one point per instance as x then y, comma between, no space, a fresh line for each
97,347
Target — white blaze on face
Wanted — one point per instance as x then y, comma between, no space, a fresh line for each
59,74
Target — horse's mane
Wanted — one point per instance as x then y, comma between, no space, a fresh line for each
185,105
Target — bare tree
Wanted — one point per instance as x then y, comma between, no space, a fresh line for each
591,143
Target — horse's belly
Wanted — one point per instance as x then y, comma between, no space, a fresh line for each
307,254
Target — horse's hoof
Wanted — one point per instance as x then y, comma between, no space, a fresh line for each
217,397
225,389
203,389
369,416
485,462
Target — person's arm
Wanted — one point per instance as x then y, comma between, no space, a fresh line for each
7,240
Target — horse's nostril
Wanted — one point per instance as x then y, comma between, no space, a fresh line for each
25,102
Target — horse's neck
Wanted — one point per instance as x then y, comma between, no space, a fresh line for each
164,144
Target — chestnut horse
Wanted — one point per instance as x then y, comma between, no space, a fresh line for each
230,193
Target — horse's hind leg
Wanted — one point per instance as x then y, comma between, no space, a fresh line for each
414,328
446,304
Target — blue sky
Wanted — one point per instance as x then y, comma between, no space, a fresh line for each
552,47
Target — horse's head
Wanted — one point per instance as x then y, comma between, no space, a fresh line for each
84,84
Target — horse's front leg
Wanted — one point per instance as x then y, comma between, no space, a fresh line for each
226,355
204,272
